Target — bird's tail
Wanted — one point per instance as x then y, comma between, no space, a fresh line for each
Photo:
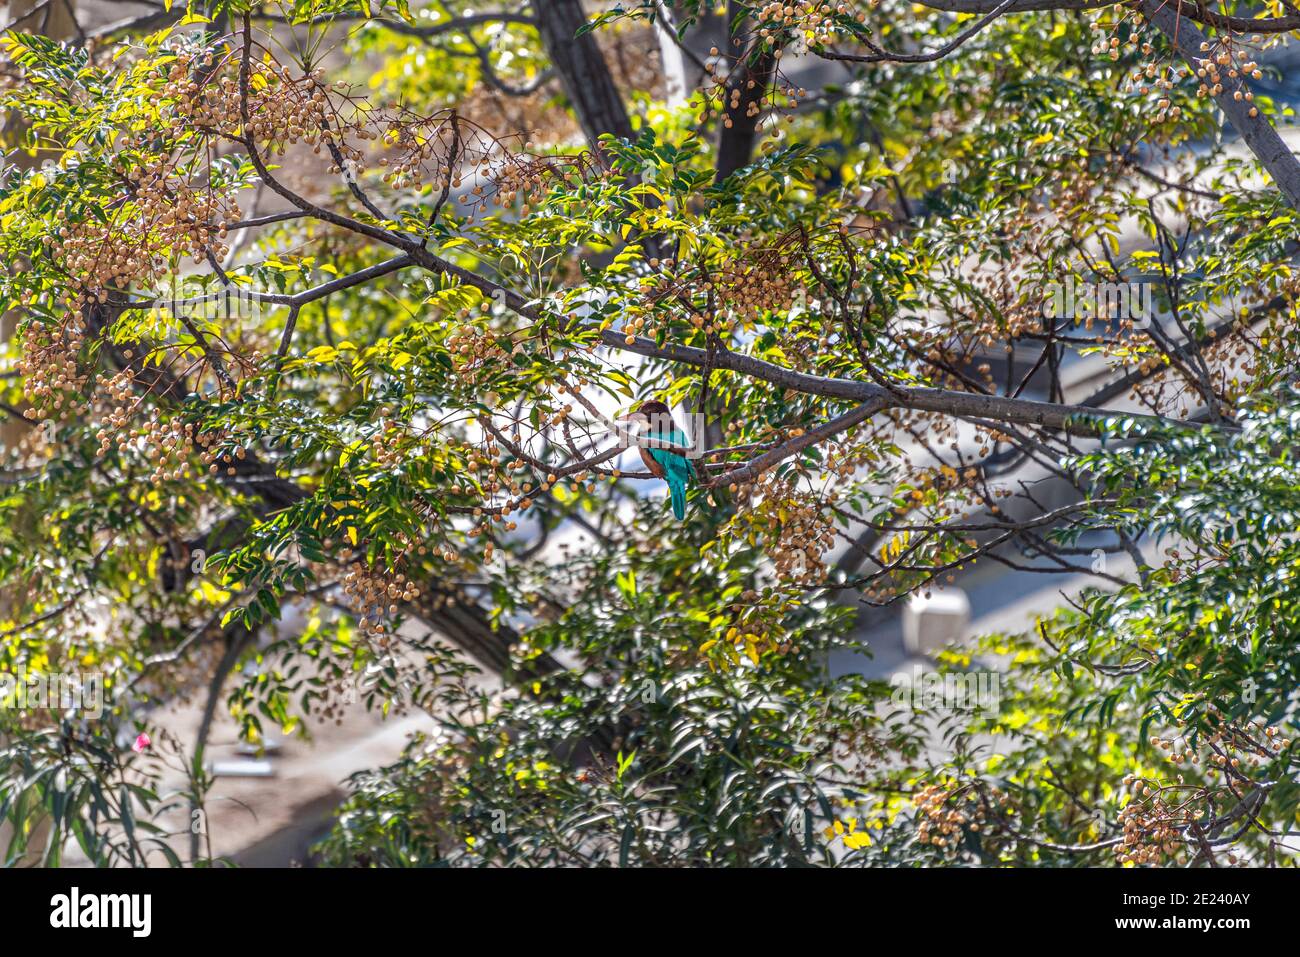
677,488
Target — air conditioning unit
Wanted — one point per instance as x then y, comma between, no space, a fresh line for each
931,622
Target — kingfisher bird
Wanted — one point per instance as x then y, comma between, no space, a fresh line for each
656,421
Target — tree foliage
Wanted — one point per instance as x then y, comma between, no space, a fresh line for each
325,311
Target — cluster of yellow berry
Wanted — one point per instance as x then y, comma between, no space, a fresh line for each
941,816
162,217
794,528
454,151
48,365
1161,76
1162,79
483,462
119,391
817,22
386,445
517,179
492,482
475,351
1157,818
758,281
1233,749
1109,46
283,109
672,282
512,179
218,451
1224,65
741,288
1153,823
409,173
374,593
510,478
417,145
1211,71
722,99
168,447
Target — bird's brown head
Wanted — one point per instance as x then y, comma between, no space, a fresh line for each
651,414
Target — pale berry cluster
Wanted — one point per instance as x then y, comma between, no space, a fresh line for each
513,180
120,391
1232,749
741,288
219,452
168,446
723,98
818,22
793,527
1153,822
48,365
942,816
162,217
1223,65
476,352
374,594
457,154
757,281
283,109
1160,818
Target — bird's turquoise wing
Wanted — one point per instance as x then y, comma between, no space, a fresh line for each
672,464
677,468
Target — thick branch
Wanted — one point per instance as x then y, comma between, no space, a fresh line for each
879,55
1172,19
582,70
1072,419
1194,12
748,84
